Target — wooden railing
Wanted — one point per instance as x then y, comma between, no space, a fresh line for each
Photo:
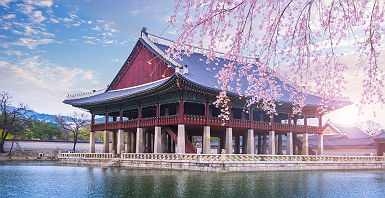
203,120
85,155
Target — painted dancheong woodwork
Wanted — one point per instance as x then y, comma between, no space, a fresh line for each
162,101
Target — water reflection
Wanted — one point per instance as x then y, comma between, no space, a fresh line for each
49,180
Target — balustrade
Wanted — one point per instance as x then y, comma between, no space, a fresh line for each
202,120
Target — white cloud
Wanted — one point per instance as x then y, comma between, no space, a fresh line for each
97,28
33,43
135,12
42,3
13,52
9,16
54,20
41,86
116,60
37,17
5,3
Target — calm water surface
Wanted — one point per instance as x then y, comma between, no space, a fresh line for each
45,179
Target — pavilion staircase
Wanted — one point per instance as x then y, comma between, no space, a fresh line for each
189,147
298,143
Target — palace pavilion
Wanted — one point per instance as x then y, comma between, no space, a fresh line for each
157,105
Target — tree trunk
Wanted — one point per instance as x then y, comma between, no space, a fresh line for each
75,141
10,150
2,147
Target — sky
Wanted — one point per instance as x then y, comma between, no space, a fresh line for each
49,49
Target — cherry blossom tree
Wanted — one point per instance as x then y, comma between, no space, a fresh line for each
300,42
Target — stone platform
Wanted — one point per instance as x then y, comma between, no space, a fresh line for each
225,162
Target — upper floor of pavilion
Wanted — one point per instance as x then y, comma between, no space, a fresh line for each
148,78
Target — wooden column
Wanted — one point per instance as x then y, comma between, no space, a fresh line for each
106,121
207,113
181,111
92,121
320,137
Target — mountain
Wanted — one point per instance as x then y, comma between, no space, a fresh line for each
43,117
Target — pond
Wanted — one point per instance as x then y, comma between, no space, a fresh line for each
48,179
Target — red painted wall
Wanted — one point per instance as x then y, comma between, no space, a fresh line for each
139,71
380,149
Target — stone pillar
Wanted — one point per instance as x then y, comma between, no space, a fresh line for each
320,144
140,144
206,144
279,151
164,141
237,142
294,146
133,141
181,146
264,144
271,142
289,144
128,145
305,144
219,145
106,142
229,140
244,143
158,140
92,142
169,144
259,144
120,143
250,141
113,142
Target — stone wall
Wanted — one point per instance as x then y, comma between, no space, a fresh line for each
227,166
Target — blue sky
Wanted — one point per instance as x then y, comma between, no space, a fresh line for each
49,49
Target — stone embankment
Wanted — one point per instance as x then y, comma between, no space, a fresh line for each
28,156
226,162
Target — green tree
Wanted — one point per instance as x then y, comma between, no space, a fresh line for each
44,131
84,133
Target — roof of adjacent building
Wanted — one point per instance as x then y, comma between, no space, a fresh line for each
197,73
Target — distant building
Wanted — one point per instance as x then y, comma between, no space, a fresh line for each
345,140
380,144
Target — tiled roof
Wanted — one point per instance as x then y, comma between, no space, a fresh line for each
197,73
116,94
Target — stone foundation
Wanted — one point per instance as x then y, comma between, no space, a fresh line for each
228,166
